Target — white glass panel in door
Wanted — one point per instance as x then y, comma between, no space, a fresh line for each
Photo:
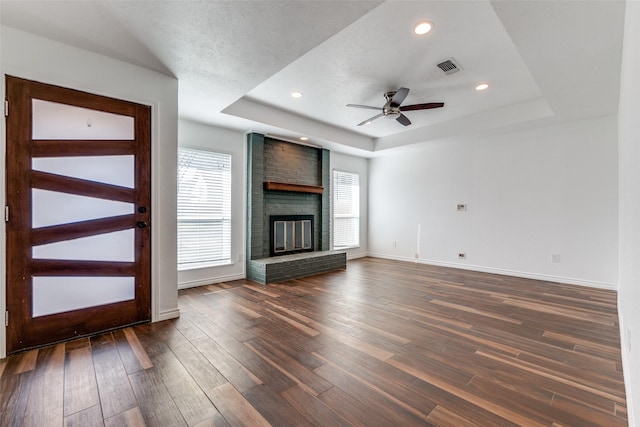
115,170
53,295
53,208
118,246
52,120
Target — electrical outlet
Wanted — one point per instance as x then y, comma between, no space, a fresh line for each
239,258
462,255
417,255
555,258
395,244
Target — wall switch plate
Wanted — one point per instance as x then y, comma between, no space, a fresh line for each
461,207
628,339
555,258
462,255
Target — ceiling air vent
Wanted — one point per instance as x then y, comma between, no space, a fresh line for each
449,66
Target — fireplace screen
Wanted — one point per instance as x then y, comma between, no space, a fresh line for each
291,234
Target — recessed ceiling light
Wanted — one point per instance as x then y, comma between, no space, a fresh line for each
482,86
423,28
296,94
304,138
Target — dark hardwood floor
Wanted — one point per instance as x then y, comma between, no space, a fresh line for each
383,343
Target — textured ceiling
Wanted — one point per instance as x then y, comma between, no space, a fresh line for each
237,61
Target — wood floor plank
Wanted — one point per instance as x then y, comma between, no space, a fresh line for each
352,409
442,417
235,408
307,330
116,395
554,375
293,369
188,329
129,360
131,418
155,402
20,363
482,402
232,370
290,344
192,402
136,347
197,365
262,290
375,330
255,364
583,415
45,404
215,421
89,417
14,394
312,408
386,380
276,410
80,386
380,402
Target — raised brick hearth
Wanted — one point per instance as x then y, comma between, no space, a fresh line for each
294,266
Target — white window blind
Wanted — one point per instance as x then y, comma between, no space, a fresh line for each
346,210
204,208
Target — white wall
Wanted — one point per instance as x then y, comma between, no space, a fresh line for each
31,57
529,195
359,165
629,168
195,135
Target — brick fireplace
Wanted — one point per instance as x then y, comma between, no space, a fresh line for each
287,179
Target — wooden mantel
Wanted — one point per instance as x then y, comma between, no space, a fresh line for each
296,188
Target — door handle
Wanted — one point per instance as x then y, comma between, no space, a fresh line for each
142,224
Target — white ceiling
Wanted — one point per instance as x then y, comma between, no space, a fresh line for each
238,61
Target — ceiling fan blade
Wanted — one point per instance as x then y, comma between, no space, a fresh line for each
403,120
371,119
426,106
400,95
364,106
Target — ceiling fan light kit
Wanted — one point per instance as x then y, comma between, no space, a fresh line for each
393,109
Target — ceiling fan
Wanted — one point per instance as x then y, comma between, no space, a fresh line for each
392,109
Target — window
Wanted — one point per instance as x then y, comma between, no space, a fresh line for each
346,210
204,208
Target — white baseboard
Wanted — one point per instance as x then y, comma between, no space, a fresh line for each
356,255
626,368
504,272
210,281
167,314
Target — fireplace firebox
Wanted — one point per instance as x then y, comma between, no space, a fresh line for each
291,234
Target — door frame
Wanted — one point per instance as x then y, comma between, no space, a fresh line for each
86,99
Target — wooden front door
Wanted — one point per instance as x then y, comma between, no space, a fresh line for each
78,213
